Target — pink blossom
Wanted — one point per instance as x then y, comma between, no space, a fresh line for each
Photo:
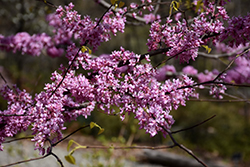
162,73
150,18
189,70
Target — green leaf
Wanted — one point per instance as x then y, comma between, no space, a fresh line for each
188,4
121,4
175,5
70,144
100,131
85,49
92,124
199,5
113,1
70,159
208,49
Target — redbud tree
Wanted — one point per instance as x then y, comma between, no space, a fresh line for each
123,78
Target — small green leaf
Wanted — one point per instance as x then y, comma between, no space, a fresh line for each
199,6
70,159
208,49
92,124
86,49
121,4
188,4
100,131
175,5
90,51
113,1
70,144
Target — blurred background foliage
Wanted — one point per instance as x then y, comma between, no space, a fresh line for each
225,135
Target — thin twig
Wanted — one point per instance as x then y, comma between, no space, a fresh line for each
184,148
67,70
217,56
49,3
230,64
53,145
22,138
28,160
194,126
57,158
219,101
128,147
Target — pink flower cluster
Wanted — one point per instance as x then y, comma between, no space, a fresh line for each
239,73
217,90
67,24
136,91
29,44
237,32
207,2
150,18
88,31
17,114
164,72
136,8
182,39
117,79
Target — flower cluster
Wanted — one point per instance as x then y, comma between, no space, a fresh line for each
164,72
239,73
117,79
136,8
150,18
182,39
221,2
67,24
87,30
29,44
17,116
237,32
208,77
136,91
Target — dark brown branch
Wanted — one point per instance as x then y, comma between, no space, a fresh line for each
67,70
34,159
3,78
48,3
28,160
184,148
194,126
129,147
22,138
53,145
57,158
